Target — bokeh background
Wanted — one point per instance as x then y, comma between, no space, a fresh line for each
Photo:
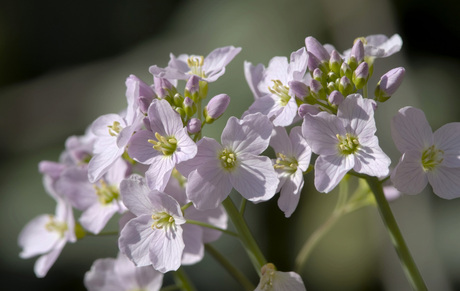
64,63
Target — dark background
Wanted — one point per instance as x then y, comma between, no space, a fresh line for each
63,63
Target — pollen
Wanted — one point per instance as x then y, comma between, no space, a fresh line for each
163,220
166,145
282,91
106,193
431,158
228,159
115,128
56,226
347,144
196,66
285,163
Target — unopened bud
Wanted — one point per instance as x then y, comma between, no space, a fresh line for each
305,109
346,71
142,93
335,62
345,86
194,125
299,89
389,83
316,48
216,107
164,88
361,75
317,89
357,51
189,107
336,98
192,87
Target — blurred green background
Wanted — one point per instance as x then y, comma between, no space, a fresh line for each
64,63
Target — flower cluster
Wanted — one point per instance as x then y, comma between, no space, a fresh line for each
169,183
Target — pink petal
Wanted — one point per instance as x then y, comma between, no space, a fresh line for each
408,176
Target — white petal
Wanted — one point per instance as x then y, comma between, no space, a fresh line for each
445,182
410,130
96,217
329,171
45,262
208,186
135,239
140,149
208,149
447,139
321,131
166,248
254,76
358,115
163,119
286,115
301,149
290,193
408,176
371,160
255,178
35,239
194,247
135,195
280,141
159,172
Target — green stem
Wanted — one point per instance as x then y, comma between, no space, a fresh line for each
365,94
248,241
243,206
182,280
234,272
408,264
203,224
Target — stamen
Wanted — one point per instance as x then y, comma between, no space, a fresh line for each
348,144
115,128
228,159
163,220
288,164
281,91
196,66
431,158
56,226
166,145
106,193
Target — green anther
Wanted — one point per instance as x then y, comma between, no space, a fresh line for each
166,145
106,193
347,144
227,159
196,66
285,163
162,220
281,90
56,226
431,158
114,129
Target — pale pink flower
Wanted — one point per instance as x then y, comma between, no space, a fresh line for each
273,280
427,157
344,142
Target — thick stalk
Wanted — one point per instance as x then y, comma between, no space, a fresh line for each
408,264
246,237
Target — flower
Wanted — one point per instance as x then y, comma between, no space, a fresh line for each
216,169
427,157
154,236
344,142
279,281
46,235
163,145
270,86
121,274
294,155
208,69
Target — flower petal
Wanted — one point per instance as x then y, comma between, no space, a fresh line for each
447,139
329,171
408,176
445,182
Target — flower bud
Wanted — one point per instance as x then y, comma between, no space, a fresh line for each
357,51
317,90
305,109
299,89
317,49
216,107
389,83
164,88
189,107
194,126
335,62
346,71
313,62
336,98
318,75
361,75
142,93
345,86
192,87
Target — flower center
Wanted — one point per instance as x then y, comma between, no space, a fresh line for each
431,158
57,226
196,66
285,163
166,145
106,193
163,220
348,144
281,91
227,159
115,128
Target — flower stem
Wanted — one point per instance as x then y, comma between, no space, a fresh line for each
234,272
408,264
246,237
